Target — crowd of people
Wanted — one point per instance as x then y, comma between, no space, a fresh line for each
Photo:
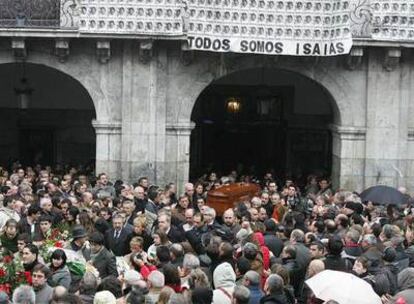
68,236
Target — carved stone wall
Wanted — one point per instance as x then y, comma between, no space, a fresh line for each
382,20
150,17
393,20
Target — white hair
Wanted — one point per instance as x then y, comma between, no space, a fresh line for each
256,202
157,279
24,294
191,261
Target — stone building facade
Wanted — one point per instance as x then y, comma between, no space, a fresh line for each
143,88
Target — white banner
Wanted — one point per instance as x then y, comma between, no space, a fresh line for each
302,28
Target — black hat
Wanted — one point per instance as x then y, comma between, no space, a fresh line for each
78,232
356,207
97,238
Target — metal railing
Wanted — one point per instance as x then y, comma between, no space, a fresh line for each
30,13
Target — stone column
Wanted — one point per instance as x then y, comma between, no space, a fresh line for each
387,104
108,148
348,154
177,163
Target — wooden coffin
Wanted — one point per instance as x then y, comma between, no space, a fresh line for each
228,196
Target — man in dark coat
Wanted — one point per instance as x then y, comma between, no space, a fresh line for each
103,260
117,238
303,256
252,281
139,199
274,291
271,240
296,274
173,233
30,224
334,260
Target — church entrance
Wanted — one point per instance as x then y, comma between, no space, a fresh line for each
262,120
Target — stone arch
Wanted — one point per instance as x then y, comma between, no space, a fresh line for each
297,76
336,110
46,130
88,73
334,80
32,68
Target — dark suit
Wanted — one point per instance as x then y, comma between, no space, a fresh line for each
273,243
105,263
118,245
175,235
25,227
130,220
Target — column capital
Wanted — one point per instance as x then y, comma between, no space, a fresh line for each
410,134
19,48
107,127
349,132
180,128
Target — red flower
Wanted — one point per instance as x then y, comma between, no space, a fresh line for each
5,288
2,272
58,244
28,276
7,259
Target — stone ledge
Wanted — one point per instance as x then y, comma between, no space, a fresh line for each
349,132
107,127
180,128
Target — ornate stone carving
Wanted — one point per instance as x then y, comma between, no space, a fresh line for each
316,20
361,17
354,58
62,49
392,59
69,13
145,51
19,48
393,20
152,17
103,50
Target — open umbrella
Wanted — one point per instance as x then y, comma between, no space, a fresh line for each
345,288
383,195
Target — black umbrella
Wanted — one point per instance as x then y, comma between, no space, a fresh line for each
383,195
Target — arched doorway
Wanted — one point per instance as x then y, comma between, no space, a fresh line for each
54,126
263,119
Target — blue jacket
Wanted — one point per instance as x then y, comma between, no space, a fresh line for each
255,294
